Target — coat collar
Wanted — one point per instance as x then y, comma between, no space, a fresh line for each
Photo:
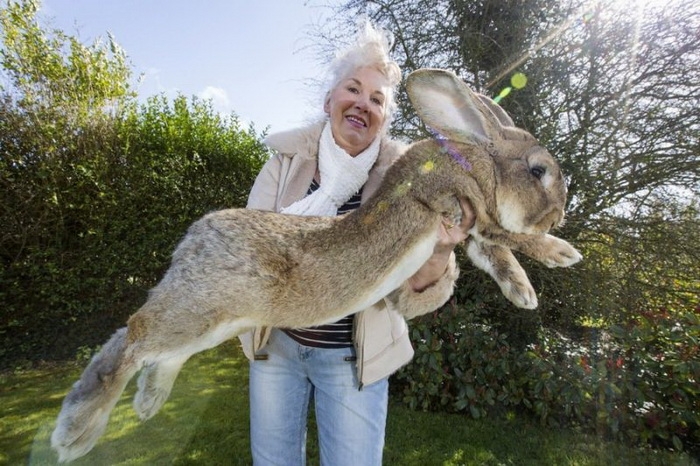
303,142
300,147
298,141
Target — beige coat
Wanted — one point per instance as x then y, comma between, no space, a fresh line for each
381,335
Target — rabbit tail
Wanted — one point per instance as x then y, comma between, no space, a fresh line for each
85,411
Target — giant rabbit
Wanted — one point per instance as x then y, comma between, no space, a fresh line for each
237,269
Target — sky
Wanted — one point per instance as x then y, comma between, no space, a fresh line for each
249,57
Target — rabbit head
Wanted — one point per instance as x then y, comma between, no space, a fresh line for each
518,191
528,188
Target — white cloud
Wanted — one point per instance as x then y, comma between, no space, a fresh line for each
219,98
150,83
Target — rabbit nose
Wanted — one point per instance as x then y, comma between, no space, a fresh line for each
552,220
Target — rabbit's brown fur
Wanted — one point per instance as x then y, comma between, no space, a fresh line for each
237,269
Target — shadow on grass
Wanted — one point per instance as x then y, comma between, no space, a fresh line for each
205,422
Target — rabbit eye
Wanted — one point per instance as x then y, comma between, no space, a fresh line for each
538,171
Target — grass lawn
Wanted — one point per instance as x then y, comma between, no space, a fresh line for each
205,422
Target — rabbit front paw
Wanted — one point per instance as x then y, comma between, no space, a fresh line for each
518,290
555,252
499,262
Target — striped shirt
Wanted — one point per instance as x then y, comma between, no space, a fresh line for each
337,334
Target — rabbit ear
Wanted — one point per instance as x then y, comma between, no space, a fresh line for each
445,103
497,110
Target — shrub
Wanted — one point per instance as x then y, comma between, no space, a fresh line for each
462,363
92,211
636,382
639,382
659,350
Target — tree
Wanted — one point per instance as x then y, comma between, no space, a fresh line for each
51,70
611,95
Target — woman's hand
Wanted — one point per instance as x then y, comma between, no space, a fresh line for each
450,235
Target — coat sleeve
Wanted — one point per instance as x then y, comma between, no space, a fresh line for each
263,195
410,303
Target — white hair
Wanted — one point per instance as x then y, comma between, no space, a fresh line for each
371,49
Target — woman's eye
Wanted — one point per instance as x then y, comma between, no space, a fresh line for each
377,101
354,90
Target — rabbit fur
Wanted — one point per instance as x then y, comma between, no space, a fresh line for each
237,269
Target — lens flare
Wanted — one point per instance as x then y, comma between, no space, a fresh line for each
517,81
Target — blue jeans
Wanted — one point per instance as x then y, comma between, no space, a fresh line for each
350,421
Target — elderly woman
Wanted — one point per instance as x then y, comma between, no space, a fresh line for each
330,168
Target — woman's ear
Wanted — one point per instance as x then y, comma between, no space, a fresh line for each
327,103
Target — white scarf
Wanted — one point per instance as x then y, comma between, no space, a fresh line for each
342,175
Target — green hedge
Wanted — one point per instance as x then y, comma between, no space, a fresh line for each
91,213
637,382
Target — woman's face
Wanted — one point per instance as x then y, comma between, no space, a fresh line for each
357,109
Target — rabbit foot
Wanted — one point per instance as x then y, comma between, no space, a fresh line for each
148,402
519,293
77,431
556,252
154,386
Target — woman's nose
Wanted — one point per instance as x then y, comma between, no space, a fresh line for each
362,102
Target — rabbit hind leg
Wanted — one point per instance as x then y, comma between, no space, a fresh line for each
158,376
